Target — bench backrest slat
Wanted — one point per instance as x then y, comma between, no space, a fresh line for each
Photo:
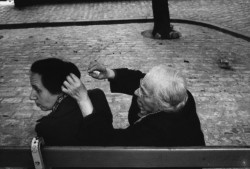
210,157
15,156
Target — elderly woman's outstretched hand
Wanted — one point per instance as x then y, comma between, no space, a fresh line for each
99,71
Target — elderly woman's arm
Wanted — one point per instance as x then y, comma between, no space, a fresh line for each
121,80
76,89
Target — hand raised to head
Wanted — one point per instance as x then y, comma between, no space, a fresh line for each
74,87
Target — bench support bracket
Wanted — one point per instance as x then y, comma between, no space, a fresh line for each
36,153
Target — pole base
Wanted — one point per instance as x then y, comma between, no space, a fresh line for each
172,35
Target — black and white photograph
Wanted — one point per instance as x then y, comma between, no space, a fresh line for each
124,84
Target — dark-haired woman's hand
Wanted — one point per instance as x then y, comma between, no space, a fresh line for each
74,87
99,71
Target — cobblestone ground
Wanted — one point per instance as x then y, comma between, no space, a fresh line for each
234,14
222,95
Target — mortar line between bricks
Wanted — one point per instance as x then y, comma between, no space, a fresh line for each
123,21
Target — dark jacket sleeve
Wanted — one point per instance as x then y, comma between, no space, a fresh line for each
134,135
97,127
153,130
126,81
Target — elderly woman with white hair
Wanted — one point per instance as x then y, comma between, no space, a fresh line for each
162,112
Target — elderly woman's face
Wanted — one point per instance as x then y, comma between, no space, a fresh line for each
145,100
42,97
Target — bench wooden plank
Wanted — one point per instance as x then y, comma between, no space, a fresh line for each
209,157
15,156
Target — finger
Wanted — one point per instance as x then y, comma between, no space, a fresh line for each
70,80
74,78
91,64
94,67
65,90
67,85
94,75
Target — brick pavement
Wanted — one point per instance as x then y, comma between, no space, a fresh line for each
234,14
222,95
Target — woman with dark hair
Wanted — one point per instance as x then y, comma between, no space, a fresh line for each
65,125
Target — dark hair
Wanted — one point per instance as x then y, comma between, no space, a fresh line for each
53,73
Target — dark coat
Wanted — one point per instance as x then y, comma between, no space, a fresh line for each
66,125
160,129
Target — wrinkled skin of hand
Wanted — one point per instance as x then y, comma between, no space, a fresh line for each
99,71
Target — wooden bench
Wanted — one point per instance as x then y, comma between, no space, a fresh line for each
208,157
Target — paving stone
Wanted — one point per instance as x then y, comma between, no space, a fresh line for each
11,100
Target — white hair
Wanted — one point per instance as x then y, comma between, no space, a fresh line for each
168,88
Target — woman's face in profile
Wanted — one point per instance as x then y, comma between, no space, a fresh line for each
42,97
